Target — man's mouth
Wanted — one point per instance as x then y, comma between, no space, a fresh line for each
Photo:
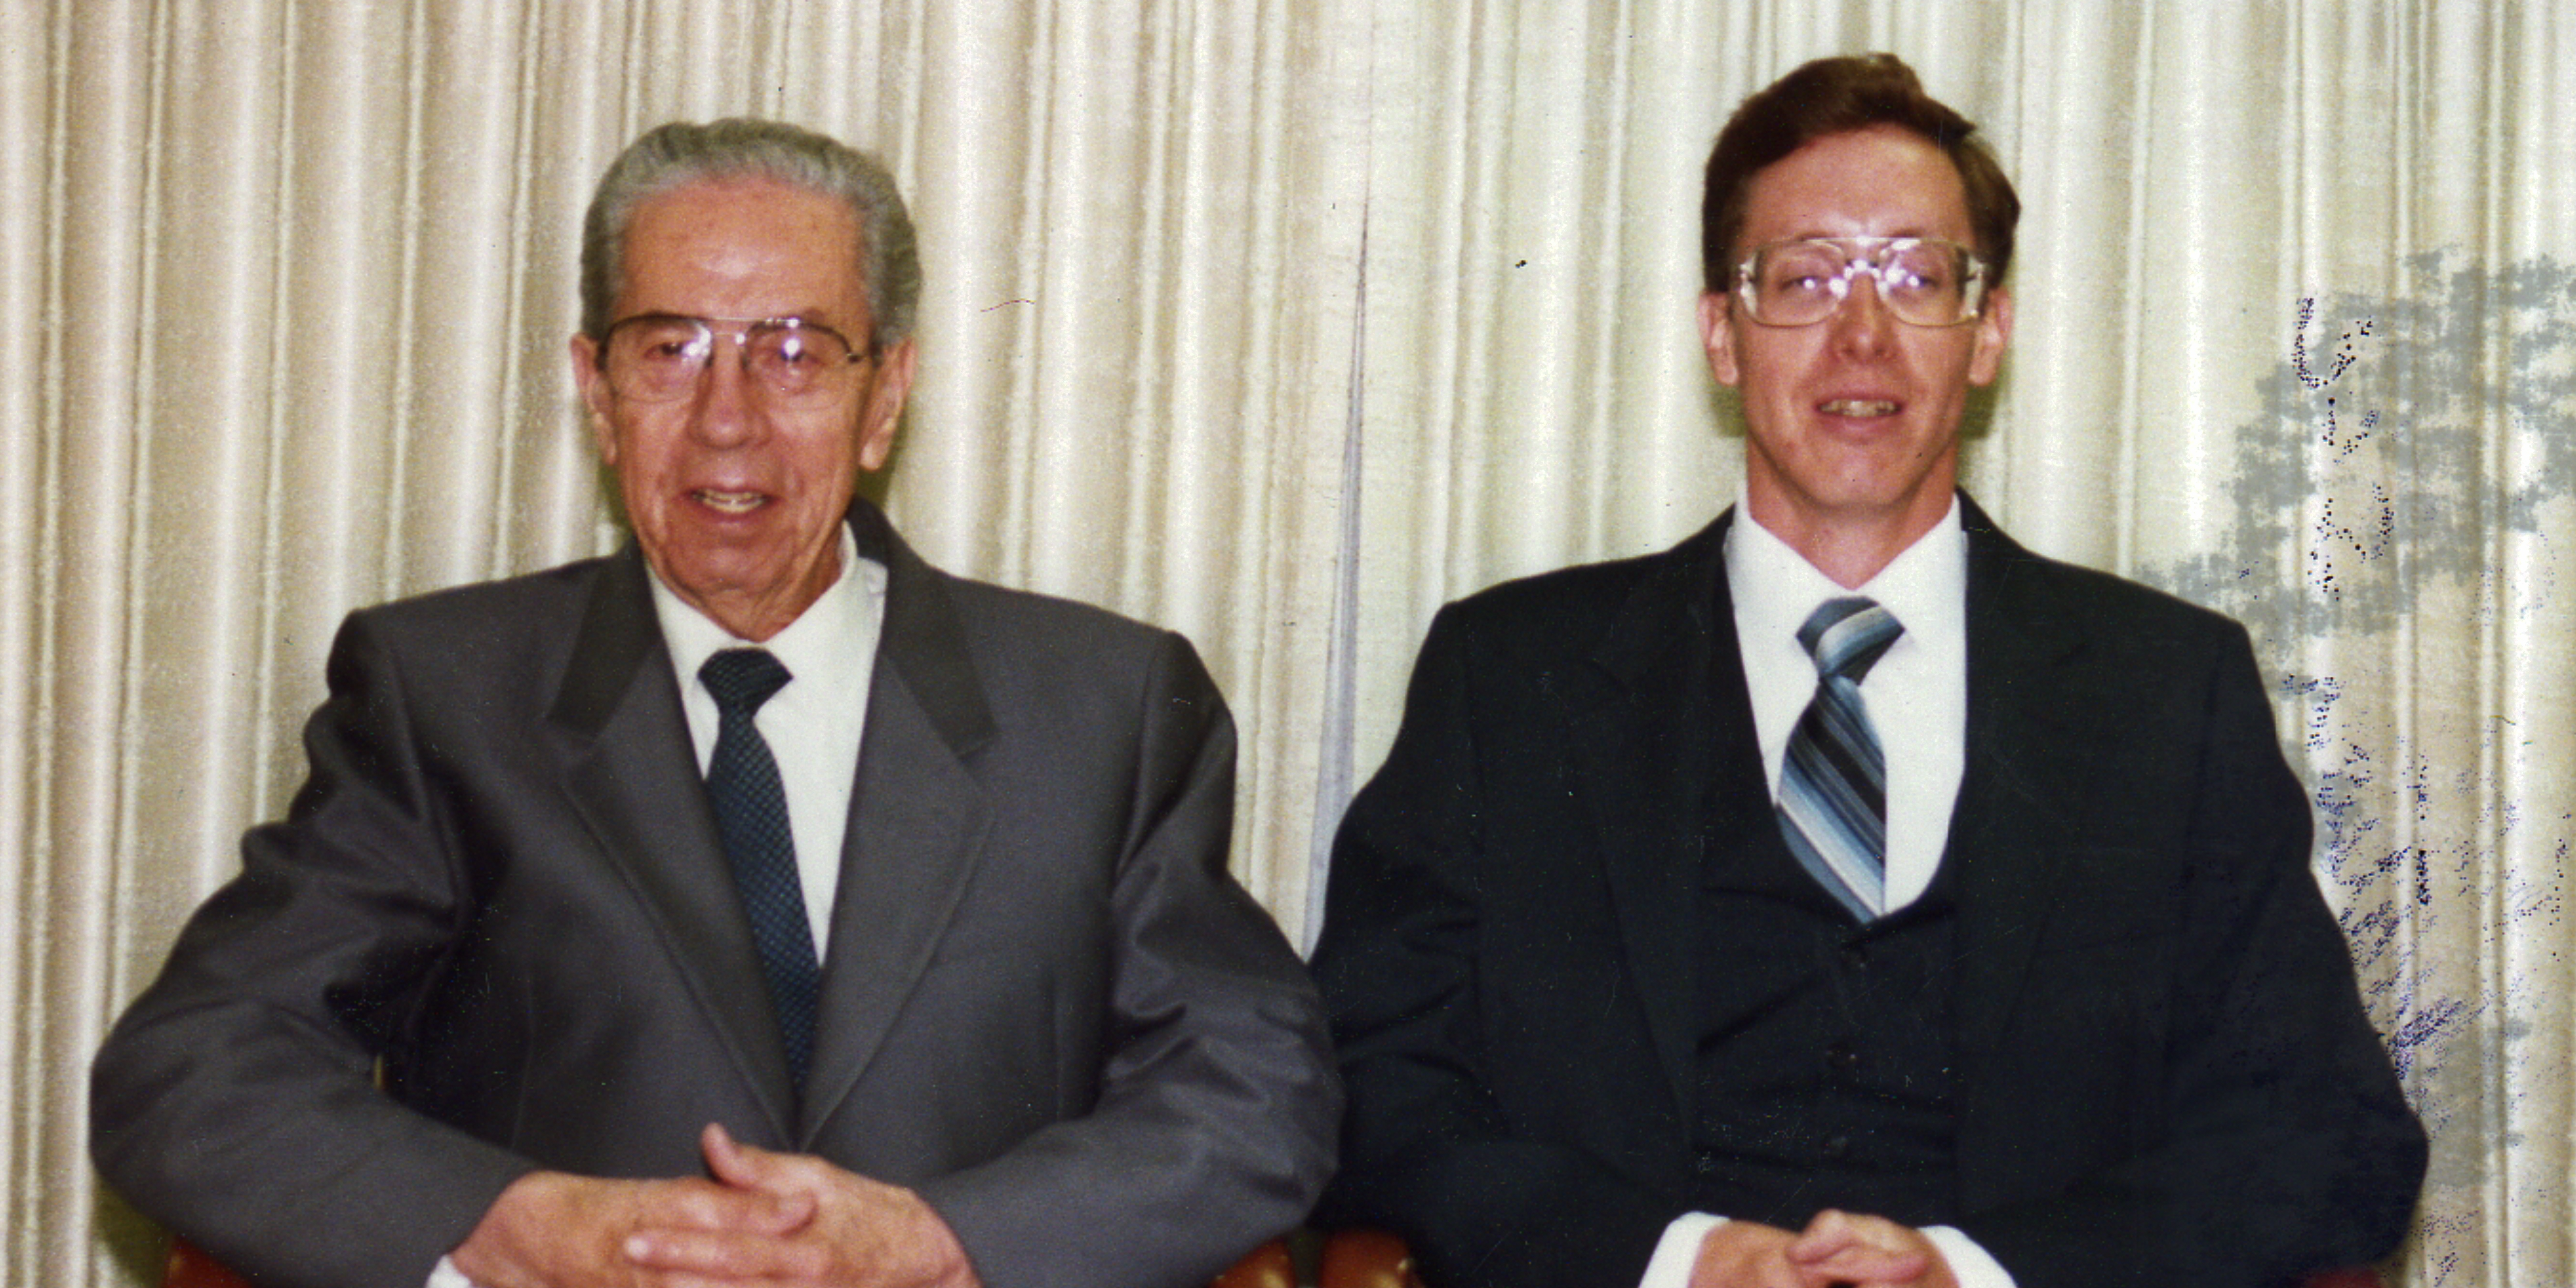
1858,407
729,502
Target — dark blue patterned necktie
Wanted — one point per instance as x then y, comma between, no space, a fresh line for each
751,816
1833,784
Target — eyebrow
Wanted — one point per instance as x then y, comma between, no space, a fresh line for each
1911,230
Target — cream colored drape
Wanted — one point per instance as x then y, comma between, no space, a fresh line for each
1281,322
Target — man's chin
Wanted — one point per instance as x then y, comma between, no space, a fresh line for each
701,580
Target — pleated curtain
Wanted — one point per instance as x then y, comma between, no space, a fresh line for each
1282,322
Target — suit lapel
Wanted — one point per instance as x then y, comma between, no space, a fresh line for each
1657,778
2029,754
633,776
1662,737
918,819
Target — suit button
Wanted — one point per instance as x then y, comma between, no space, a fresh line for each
1704,1165
1837,1146
1842,1057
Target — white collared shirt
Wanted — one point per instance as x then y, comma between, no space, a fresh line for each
813,724
1917,694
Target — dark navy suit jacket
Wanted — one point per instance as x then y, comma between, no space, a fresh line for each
2164,1075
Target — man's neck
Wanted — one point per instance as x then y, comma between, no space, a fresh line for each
755,617
744,621
1848,549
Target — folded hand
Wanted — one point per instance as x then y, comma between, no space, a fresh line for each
860,1233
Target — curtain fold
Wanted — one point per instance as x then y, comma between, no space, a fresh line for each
1281,322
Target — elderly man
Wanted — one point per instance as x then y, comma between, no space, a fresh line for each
757,904
1846,895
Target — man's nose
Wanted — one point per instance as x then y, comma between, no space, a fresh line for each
1862,324
724,412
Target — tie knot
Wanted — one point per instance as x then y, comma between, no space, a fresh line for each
743,678
1847,636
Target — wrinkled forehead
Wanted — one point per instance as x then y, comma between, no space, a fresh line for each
744,248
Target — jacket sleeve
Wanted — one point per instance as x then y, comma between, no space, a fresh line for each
1427,1150
235,1100
2273,1139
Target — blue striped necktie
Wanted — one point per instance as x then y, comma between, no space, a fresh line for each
751,818
1833,784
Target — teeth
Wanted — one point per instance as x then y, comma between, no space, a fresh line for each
730,502
1860,407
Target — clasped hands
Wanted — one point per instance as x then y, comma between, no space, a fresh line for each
756,1220
1836,1248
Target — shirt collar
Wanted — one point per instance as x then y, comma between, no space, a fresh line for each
812,645
1775,588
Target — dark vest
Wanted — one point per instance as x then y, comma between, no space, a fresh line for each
1825,1055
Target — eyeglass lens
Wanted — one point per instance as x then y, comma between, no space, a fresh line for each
659,358
1925,283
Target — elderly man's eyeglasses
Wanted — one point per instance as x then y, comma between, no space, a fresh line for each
1923,281
662,357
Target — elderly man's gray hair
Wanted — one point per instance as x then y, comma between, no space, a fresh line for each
680,153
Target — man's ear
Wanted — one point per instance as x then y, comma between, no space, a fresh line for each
593,384
1717,336
1994,331
884,411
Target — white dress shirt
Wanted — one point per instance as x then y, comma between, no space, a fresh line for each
1917,698
1917,694
814,722
813,725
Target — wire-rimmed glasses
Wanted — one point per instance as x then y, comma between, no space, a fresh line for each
1923,281
662,357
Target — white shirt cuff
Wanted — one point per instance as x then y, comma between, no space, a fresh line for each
1678,1251
1969,1264
446,1275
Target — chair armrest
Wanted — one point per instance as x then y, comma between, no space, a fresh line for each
190,1267
1363,1258
1267,1266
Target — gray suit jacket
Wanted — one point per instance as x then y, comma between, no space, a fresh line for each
1047,1006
